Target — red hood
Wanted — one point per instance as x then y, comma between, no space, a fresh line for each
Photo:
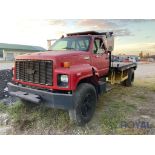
74,57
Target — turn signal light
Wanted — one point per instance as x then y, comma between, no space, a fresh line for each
66,64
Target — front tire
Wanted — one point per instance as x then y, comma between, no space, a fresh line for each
85,104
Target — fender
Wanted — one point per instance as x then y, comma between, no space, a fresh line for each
76,73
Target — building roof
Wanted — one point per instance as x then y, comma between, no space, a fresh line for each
21,47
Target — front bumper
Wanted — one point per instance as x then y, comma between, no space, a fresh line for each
54,100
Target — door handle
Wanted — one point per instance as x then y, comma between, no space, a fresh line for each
86,58
97,56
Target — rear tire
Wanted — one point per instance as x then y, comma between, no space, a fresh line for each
129,81
85,104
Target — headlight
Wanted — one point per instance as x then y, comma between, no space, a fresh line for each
63,80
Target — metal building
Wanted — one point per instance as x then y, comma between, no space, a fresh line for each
8,52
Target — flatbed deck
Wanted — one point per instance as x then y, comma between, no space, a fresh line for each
119,71
121,66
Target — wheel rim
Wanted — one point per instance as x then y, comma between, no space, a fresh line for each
86,108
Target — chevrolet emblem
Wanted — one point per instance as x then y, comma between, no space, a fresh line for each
30,71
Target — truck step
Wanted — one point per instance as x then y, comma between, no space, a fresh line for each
102,86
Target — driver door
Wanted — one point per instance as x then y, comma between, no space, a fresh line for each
100,58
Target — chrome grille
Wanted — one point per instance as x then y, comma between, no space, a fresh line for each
35,71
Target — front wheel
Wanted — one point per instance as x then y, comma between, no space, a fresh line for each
85,104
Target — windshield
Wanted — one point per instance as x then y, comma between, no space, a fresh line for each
72,43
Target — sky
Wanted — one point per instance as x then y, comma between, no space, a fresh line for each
131,36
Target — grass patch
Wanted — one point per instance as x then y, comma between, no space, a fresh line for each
143,97
146,84
3,107
153,88
132,131
36,119
120,104
114,114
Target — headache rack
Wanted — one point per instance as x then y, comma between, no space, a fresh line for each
107,34
35,71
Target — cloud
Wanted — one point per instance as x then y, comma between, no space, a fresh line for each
148,37
54,22
98,24
127,21
103,25
151,46
136,47
122,32
142,20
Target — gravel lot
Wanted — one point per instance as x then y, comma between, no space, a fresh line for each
145,70
5,76
6,65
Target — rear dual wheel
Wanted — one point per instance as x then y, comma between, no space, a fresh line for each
85,104
129,81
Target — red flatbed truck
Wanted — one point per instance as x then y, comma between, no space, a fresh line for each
71,75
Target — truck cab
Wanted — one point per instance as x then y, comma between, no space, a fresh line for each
92,47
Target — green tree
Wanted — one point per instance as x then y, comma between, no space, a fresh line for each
141,55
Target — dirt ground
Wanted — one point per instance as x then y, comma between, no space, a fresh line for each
145,90
123,110
145,71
